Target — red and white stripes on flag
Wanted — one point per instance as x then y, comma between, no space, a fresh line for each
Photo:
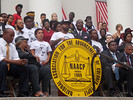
63,14
101,11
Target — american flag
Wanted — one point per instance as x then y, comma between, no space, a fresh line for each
101,11
63,15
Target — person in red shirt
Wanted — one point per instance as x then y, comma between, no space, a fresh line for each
18,14
47,31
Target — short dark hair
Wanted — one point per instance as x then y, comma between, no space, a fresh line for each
17,21
3,14
73,14
27,17
44,21
102,29
55,25
104,23
110,43
37,31
9,15
43,14
128,45
92,31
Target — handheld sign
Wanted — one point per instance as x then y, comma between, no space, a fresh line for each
71,68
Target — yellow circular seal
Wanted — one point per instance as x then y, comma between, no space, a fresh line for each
71,68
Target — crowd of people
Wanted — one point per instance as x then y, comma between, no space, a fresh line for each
26,47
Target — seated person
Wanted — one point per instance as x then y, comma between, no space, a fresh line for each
42,51
11,64
127,74
110,68
33,65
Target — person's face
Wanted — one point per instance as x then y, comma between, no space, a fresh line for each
71,16
28,23
9,36
79,25
39,35
32,17
113,47
10,19
129,38
129,50
103,33
4,17
47,25
119,28
109,38
89,23
20,24
94,35
24,44
65,26
105,26
58,28
54,17
100,26
43,17
19,10
1,20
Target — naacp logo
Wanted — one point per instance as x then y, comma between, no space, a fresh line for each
71,68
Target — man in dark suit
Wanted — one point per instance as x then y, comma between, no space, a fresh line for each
110,68
80,33
127,74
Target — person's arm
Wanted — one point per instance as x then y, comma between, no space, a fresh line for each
55,42
48,58
33,53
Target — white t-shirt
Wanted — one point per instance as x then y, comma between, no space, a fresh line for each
58,35
30,32
41,49
17,33
98,44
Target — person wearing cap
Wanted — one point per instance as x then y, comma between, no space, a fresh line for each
33,65
18,14
32,15
59,37
47,31
11,64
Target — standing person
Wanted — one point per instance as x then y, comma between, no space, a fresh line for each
54,17
4,15
80,33
71,18
89,26
10,19
117,35
104,26
42,17
18,14
1,20
59,37
99,27
42,51
47,31
103,35
28,29
32,15
11,64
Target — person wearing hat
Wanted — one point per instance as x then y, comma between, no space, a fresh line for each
18,14
32,15
33,65
59,37
47,31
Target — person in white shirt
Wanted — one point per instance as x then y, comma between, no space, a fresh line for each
94,39
42,17
42,51
10,19
59,37
11,64
28,29
19,25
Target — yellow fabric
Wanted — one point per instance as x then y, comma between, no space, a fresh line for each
7,56
31,14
